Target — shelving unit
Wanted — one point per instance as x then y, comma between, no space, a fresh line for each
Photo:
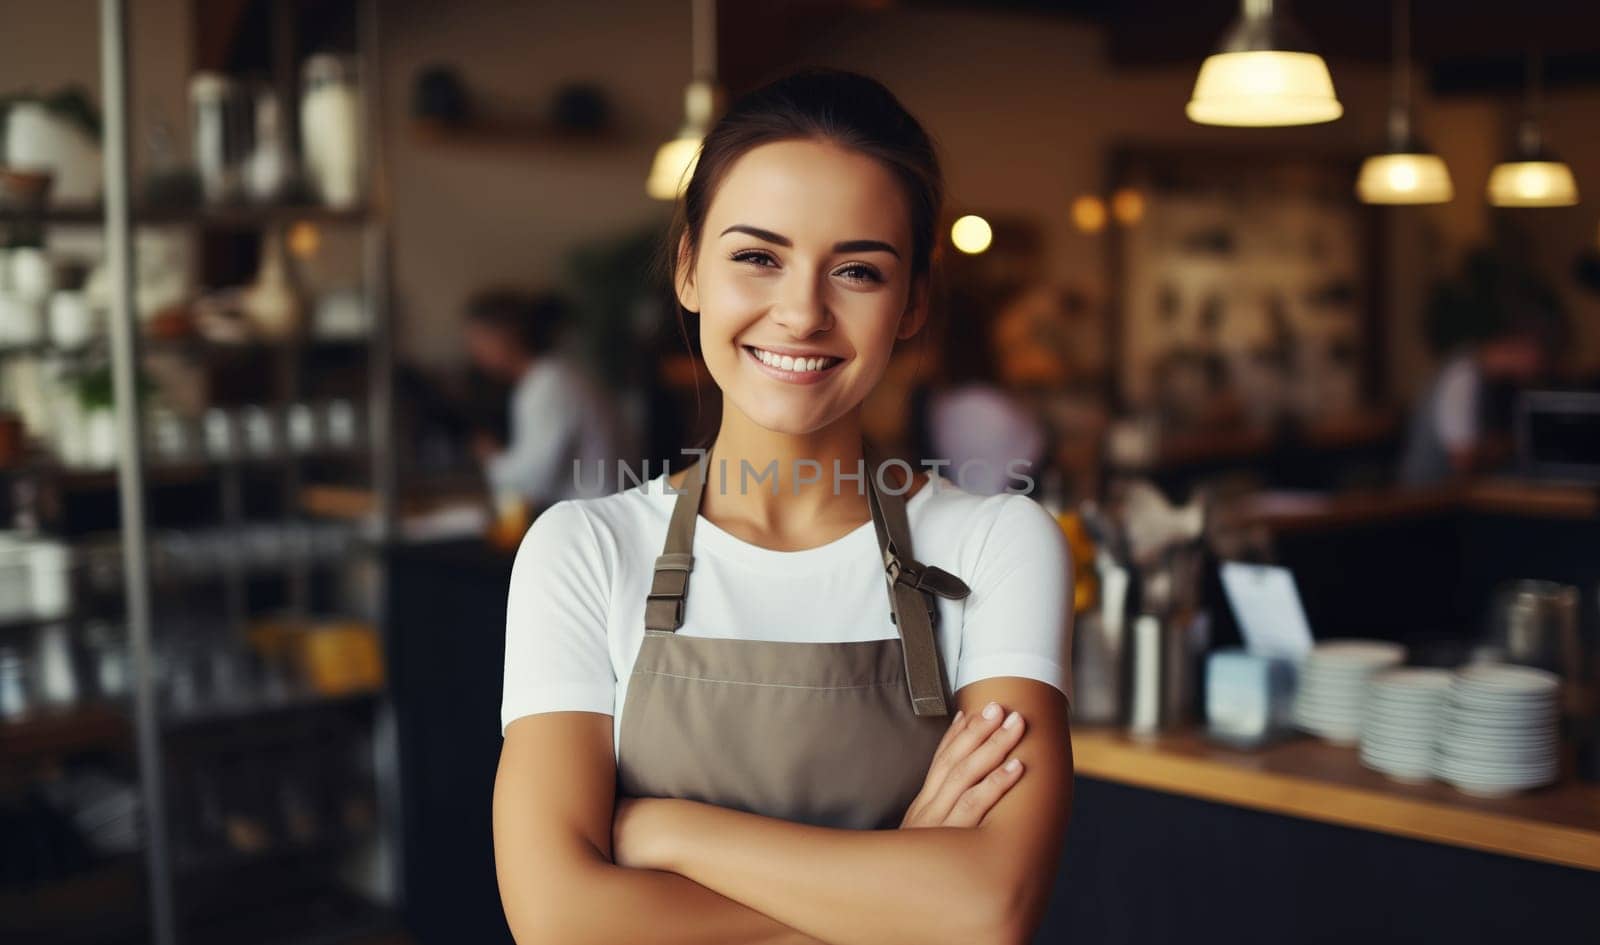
512,136
269,802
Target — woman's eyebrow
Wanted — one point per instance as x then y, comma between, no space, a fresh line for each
848,246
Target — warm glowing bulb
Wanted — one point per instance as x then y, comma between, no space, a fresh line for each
1127,206
304,239
1089,213
1263,88
672,168
1532,184
1404,179
971,234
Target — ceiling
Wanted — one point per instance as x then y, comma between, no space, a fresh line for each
1470,47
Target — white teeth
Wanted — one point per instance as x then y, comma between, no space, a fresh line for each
790,363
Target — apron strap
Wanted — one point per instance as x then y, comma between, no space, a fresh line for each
911,584
663,607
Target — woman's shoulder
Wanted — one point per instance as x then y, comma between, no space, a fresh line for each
974,522
610,520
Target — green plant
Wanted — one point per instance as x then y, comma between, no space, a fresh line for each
612,280
1496,290
95,388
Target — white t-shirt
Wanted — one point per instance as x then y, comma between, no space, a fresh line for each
575,611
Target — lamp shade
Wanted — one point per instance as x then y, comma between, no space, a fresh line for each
673,166
674,161
1404,178
1542,183
1263,88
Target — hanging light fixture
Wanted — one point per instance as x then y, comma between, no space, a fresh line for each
1264,73
674,161
1532,176
1406,173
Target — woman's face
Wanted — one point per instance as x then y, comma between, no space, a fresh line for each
803,283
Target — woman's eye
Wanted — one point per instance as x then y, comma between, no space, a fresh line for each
859,273
755,256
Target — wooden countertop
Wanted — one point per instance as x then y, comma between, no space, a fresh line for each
1314,780
1289,511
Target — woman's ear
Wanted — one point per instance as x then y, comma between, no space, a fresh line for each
683,277
916,313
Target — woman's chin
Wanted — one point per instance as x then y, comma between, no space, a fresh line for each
782,415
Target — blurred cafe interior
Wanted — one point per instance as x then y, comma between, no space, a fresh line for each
1294,308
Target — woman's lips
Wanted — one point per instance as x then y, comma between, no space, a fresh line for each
789,377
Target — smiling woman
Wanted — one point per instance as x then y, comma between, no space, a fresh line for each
855,729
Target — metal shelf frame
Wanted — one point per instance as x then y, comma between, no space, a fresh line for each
120,219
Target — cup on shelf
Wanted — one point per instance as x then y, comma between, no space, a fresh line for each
21,320
221,435
50,578
15,699
300,423
56,666
107,648
71,320
173,437
259,428
33,275
340,424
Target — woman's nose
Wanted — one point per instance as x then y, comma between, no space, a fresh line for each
802,309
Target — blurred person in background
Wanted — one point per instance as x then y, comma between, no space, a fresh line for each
1498,327
965,417
557,413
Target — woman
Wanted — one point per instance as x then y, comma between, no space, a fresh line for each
779,653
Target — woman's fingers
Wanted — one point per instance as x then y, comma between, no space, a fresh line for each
963,739
937,767
950,732
974,754
975,803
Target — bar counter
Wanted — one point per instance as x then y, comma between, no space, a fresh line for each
1312,779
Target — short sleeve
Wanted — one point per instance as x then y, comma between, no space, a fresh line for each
1018,618
557,657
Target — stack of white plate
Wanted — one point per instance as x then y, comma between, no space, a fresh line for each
1401,721
1333,686
1499,731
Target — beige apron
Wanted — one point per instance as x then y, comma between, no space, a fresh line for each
831,734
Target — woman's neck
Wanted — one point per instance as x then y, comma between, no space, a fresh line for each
778,490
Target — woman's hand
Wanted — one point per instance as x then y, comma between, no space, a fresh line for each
967,777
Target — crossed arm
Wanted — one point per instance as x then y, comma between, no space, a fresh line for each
695,873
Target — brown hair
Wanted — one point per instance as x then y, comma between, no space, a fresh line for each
847,109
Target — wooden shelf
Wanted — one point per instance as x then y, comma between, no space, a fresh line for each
1313,780
199,348
242,217
50,733
1297,512
511,136
102,904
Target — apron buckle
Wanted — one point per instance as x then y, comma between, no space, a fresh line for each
925,577
670,583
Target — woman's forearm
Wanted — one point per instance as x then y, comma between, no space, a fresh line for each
848,887
603,903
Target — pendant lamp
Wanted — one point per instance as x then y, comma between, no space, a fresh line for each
1532,176
1264,73
1407,172
675,160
